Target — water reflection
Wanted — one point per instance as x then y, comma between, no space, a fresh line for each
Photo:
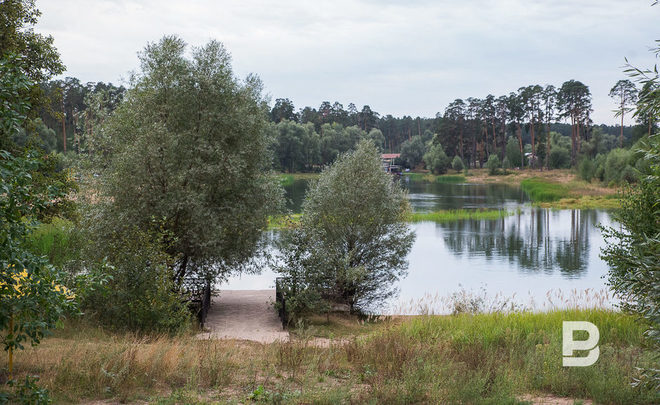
428,196
533,240
526,254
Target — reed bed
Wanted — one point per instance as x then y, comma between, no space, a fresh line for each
457,215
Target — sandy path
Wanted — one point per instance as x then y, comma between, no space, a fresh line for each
246,315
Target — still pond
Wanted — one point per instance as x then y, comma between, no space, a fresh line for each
536,257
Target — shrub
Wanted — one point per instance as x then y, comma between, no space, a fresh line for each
632,250
457,164
493,164
505,163
615,164
140,294
412,151
586,169
436,160
560,158
629,175
513,152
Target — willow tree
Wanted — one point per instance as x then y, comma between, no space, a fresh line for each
353,240
189,158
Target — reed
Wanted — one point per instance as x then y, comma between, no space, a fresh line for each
457,215
541,190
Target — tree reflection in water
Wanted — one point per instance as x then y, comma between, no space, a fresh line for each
536,239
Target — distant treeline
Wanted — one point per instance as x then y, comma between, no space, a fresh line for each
307,138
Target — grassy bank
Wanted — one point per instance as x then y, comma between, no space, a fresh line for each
283,221
443,178
457,215
549,194
287,179
291,220
560,189
541,190
487,358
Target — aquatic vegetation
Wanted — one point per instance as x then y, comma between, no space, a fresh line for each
444,178
457,215
541,190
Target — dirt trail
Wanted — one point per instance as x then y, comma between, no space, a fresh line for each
245,315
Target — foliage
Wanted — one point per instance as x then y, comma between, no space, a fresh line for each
493,164
559,158
353,239
138,292
412,151
188,149
615,164
513,153
506,164
25,392
633,254
40,59
586,169
435,158
31,299
457,164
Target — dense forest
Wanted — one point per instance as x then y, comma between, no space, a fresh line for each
535,126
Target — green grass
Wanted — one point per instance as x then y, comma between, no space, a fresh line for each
287,179
586,202
292,220
283,221
494,358
56,240
444,178
456,215
540,190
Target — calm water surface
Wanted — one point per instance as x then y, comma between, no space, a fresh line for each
527,254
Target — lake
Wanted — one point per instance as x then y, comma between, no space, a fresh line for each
536,257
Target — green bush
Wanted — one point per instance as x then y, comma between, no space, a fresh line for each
560,158
629,175
632,251
505,163
586,169
615,164
436,160
513,152
493,164
140,294
457,164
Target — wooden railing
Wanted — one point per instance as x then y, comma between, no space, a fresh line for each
280,300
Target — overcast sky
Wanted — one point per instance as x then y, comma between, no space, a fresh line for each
400,57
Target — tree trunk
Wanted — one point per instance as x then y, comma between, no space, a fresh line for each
520,144
547,152
621,136
533,143
63,127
